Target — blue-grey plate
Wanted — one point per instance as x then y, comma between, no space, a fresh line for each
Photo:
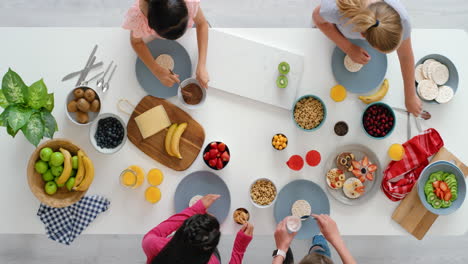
453,73
302,190
182,66
368,78
203,183
445,166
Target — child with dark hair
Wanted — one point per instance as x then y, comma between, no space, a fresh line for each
195,240
169,19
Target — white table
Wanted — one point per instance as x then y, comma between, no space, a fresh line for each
243,124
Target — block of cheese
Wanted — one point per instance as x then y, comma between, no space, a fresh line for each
152,121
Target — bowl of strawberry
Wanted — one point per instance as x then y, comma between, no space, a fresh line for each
378,120
216,155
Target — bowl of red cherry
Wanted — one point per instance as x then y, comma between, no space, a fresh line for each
378,120
216,155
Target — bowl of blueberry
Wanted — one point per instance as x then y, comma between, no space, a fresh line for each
108,134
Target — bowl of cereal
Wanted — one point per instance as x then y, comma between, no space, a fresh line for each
263,193
309,112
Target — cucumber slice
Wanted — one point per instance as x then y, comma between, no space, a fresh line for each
437,203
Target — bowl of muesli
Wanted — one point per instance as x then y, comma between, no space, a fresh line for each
309,112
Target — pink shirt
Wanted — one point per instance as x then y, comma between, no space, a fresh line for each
156,239
137,22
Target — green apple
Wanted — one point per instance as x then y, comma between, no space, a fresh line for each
56,159
48,176
56,170
70,183
50,187
45,154
73,173
41,166
75,162
59,185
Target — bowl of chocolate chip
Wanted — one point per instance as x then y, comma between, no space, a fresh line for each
191,94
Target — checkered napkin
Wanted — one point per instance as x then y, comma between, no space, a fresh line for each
65,224
401,176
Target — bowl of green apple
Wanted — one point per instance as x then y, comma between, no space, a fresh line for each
52,173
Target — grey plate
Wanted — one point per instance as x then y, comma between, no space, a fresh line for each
202,183
182,66
453,73
302,190
359,152
368,78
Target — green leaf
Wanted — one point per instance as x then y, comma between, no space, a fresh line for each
11,132
14,88
4,116
36,95
34,129
3,100
49,105
18,117
50,125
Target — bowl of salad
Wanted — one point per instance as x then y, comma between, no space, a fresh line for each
442,187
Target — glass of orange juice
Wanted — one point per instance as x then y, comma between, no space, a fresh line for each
128,178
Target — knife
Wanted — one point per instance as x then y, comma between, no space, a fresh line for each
88,64
409,126
85,72
74,74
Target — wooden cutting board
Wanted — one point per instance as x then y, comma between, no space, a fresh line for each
411,213
190,143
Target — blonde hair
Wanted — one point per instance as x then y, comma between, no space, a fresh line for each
315,258
379,22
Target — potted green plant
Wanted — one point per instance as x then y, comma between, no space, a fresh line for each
27,108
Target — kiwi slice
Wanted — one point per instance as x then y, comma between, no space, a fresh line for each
282,81
283,68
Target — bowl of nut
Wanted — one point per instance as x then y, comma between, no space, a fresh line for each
309,112
263,193
83,105
241,216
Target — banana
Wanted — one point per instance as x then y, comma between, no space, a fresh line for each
168,139
379,95
81,169
176,140
67,167
89,177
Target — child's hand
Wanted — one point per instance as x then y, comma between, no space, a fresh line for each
283,239
209,199
203,77
358,54
328,227
413,104
165,76
247,229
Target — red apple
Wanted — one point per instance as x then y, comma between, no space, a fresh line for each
225,156
221,147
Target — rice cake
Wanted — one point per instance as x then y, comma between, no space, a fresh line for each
301,208
445,94
352,66
427,89
152,121
426,67
165,61
418,73
439,73
349,188
194,200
